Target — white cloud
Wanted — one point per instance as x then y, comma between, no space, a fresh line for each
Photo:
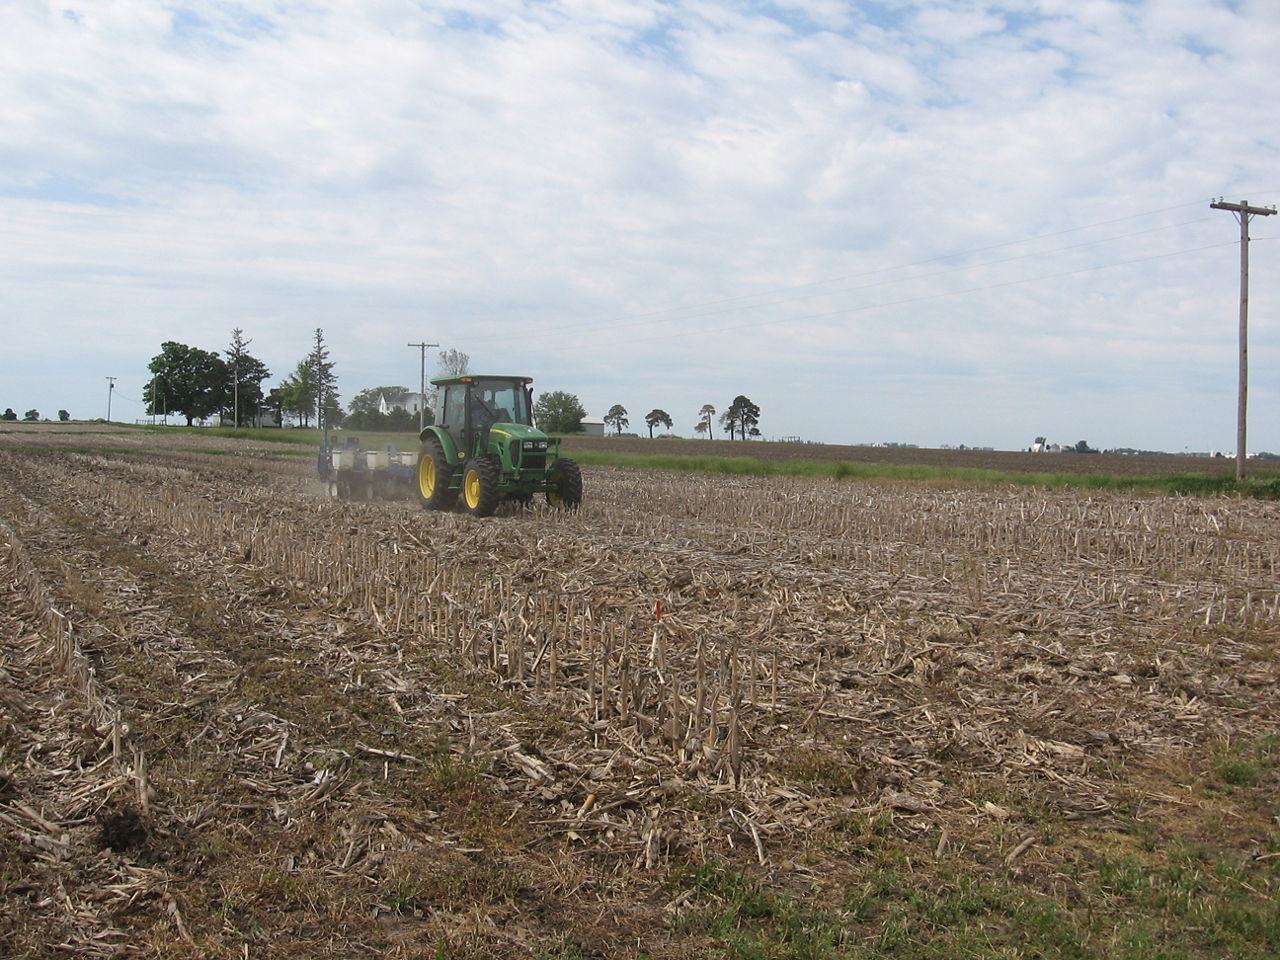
625,199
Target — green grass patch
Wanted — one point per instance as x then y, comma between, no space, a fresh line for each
301,437
751,921
1183,902
1180,485
1243,765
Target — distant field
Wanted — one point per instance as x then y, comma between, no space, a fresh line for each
1004,461
1009,462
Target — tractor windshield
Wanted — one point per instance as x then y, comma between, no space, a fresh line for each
499,401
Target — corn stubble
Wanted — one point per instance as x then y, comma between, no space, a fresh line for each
248,720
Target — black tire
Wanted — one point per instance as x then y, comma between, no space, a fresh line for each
432,477
344,484
566,478
480,486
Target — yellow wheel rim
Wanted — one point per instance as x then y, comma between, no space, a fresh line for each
427,476
471,488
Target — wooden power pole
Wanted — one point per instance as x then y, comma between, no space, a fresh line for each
1243,212
422,387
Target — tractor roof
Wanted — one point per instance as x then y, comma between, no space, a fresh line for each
472,377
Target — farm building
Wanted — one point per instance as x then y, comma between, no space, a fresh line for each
410,401
592,427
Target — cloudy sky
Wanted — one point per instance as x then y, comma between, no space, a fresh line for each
935,223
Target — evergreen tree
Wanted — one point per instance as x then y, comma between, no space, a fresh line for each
247,374
324,382
617,418
655,417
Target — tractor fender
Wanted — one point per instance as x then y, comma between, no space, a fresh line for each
442,437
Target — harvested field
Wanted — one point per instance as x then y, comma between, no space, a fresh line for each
702,716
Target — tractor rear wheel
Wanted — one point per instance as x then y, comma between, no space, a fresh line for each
434,474
566,479
480,486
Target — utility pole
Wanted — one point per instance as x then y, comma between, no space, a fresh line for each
422,388
1243,212
235,375
111,385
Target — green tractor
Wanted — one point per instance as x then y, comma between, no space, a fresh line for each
484,446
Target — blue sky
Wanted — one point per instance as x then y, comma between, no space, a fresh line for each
934,223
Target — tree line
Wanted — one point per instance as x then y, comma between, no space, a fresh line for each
561,412
195,383
31,416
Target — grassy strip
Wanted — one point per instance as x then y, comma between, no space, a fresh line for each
368,440
306,437
1181,485
1185,906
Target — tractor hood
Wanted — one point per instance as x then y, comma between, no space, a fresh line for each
519,433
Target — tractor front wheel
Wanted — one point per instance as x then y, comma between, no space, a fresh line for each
434,473
566,479
480,486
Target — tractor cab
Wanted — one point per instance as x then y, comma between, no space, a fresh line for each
468,406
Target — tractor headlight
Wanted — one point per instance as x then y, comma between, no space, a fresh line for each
534,446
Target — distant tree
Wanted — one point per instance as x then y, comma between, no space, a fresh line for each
401,420
701,427
247,374
748,417
617,418
8,414
655,417
185,380
324,382
63,416
728,423
275,403
707,418
298,394
1082,446
31,416
453,363
741,418
559,412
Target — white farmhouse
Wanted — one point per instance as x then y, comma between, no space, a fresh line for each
411,402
